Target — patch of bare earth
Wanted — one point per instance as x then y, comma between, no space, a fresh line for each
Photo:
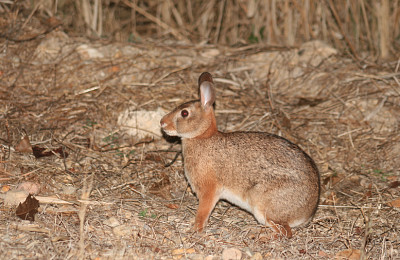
115,197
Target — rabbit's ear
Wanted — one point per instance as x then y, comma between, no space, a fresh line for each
207,94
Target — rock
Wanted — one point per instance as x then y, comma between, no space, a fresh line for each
68,189
111,222
30,187
256,256
52,48
14,197
231,254
87,52
141,123
122,230
211,257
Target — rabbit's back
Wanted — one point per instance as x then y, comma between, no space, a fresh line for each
255,154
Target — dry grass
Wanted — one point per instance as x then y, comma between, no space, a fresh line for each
363,29
343,113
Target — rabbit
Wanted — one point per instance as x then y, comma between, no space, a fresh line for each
262,173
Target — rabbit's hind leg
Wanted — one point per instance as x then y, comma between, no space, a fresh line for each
281,229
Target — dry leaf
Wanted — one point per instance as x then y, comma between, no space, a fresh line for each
394,203
114,69
28,208
153,157
331,199
348,254
24,146
53,22
309,101
39,152
162,188
392,178
61,151
5,188
332,179
394,184
367,194
172,206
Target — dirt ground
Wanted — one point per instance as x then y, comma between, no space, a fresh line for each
115,196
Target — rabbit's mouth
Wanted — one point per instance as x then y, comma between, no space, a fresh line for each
167,131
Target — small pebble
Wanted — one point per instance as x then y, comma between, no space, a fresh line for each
231,254
111,222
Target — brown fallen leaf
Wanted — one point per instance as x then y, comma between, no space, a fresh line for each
39,152
153,157
394,184
60,151
162,188
114,69
312,102
394,203
331,199
5,188
24,146
367,194
172,206
332,179
28,208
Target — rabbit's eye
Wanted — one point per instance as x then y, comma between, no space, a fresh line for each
184,113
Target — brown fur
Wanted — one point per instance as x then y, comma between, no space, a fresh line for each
263,173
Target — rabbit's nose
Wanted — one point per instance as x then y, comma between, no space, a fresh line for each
162,123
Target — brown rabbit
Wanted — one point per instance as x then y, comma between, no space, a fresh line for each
262,173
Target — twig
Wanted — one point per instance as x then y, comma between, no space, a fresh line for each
368,225
9,139
82,213
154,19
337,18
169,73
47,31
31,14
173,160
219,23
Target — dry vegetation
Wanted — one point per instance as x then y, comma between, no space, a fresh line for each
113,197
363,29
